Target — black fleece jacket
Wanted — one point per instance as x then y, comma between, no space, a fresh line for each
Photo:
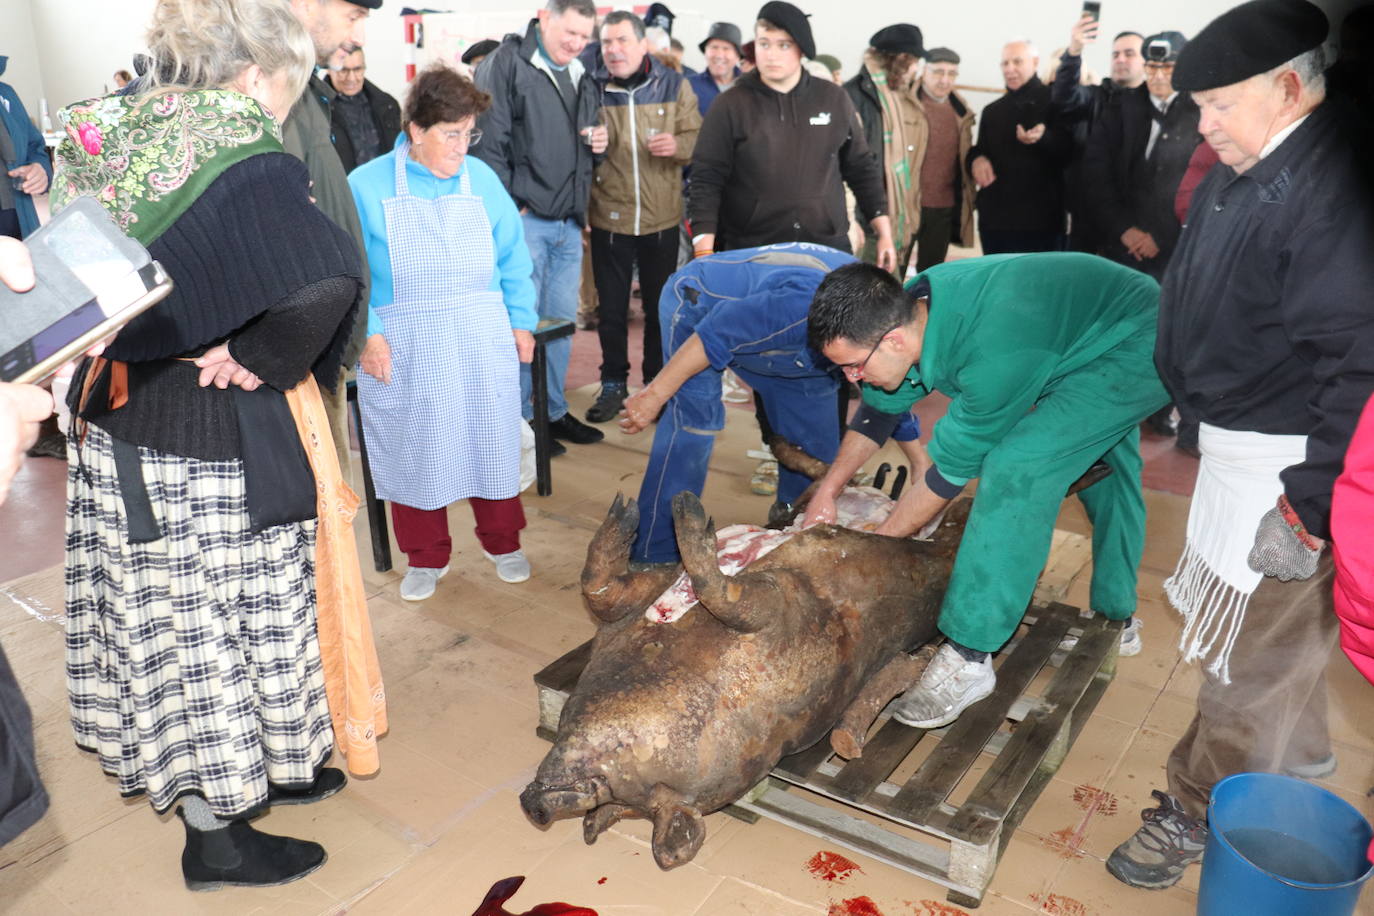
771,167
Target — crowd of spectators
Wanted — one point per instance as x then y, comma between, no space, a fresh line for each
418,247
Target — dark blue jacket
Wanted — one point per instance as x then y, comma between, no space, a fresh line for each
757,300
704,85
28,146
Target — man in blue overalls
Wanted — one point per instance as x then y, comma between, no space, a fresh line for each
744,310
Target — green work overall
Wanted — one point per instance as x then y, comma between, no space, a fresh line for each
1049,362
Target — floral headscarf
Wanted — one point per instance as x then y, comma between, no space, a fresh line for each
147,158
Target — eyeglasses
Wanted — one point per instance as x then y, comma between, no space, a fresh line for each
454,137
350,71
855,370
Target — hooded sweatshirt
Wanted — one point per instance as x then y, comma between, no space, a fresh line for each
771,167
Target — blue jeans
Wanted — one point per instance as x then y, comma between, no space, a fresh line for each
556,249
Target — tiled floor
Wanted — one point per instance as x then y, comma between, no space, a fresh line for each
441,823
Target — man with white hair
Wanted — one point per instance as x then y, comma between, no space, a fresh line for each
1019,160
1266,333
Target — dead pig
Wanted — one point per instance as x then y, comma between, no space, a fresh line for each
671,721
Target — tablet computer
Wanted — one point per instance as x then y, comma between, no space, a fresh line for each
92,279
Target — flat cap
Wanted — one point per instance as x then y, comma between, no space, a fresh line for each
902,38
1163,47
1248,40
721,31
941,56
792,21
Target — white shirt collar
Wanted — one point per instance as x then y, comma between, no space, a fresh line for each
1281,136
1163,104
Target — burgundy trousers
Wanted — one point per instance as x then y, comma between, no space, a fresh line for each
422,534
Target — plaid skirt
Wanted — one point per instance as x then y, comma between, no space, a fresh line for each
193,664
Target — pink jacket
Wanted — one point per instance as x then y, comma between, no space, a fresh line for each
1352,536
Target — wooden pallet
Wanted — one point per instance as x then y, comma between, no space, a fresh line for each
914,823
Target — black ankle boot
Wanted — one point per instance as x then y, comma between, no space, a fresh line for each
327,782
239,856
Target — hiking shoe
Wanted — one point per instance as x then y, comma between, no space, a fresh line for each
574,430
1317,769
420,582
949,685
765,479
1131,643
1167,842
510,567
608,402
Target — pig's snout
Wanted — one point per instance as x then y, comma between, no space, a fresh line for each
545,804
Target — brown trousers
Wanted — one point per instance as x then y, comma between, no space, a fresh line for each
1273,713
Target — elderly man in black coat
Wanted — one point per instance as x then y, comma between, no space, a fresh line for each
365,120
1019,161
1266,334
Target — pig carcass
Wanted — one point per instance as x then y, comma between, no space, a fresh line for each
678,714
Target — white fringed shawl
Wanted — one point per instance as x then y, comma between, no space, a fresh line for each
1237,482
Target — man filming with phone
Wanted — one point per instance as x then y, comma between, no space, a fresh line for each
1080,108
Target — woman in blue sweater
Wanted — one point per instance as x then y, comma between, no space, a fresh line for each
451,318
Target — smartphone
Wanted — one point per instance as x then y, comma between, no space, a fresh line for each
1093,8
92,279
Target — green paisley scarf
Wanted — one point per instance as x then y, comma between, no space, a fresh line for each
147,158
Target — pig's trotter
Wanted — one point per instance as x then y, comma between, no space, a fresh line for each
895,677
602,819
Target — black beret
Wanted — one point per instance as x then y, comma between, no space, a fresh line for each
721,31
1248,40
903,38
941,56
480,49
370,4
792,21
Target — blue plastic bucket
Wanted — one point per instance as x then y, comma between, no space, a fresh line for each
1278,846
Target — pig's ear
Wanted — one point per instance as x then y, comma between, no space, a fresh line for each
679,831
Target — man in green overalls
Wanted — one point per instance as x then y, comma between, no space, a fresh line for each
1049,362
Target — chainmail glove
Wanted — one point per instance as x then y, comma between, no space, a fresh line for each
1279,551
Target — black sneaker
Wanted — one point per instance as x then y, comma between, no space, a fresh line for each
1168,841
574,430
556,448
608,402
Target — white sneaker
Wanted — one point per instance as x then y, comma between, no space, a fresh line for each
1131,643
510,567
420,581
1318,769
949,685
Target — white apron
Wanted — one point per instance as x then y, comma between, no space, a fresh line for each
448,425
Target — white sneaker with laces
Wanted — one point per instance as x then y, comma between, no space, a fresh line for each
1131,643
510,567
949,685
420,582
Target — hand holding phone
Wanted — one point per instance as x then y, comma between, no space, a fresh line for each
90,279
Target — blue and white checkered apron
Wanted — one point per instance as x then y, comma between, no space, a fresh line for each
448,425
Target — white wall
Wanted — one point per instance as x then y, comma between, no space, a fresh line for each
17,41
80,43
